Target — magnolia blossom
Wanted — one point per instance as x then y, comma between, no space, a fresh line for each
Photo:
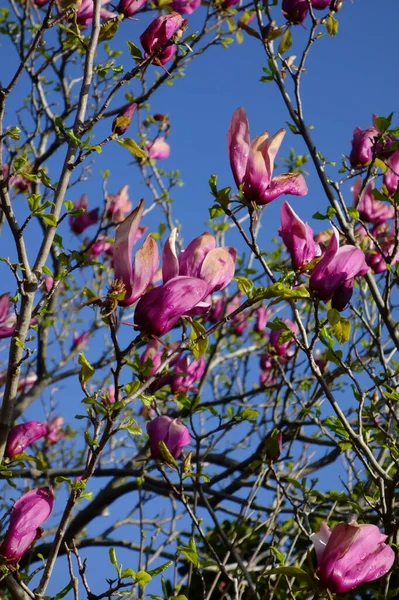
84,15
160,36
121,123
252,163
186,374
188,279
172,432
80,340
54,430
118,206
333,277
23,435
80,223
137,278
128,8
158,149
185,7
262,315
100,246
7,319
391,177
364,143
370,209
295,10
280,340
109,396
351,554
298,238
27,516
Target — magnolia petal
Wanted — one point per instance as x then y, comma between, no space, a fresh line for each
123,247
170,261
292,184
160,308
238,141
193,256
218,268
145,265
320,540
271,149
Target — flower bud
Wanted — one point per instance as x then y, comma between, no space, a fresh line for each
21,436
160,34
172,432
121,123
128,8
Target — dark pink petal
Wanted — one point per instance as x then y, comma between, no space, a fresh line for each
21,436
292,184
146,264
191,259
170,262
238,144
218,268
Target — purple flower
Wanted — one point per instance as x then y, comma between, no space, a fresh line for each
370,209
185,7
54,430
81,222
27,516
121,123
172,432
363,145
160,33
118,205
188,279
298,238
252,163
128,8
320,4
279,342
136,278
391,177
7,319
80,340
295,10
186,373
158,149
262,317
350,555
332,278
23,435
84,15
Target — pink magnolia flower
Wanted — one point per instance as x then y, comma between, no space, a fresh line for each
100,246
158,149
109,396
377,259
54,430
217,309
136,279
268,370
185,7
279,343
81,222
252,163
118,205
351,554
333,277
320,4
80,340
121,123
391,177
186,374
84,15
128,8
188,279
160,34
40,2
298,238
25,383
370,209
27,516
172,432
262,317
295,10
7,319
363,144
23,435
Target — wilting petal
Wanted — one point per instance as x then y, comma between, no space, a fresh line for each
292,184
271,148
146,264
170,262
192,258
160,308
123,247
238,144
218,268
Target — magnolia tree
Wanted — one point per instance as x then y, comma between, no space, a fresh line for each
207,418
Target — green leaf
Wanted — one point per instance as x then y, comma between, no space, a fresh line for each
13,133
128,573
383,123
245,285
108,30
198,348
160,569
166,455
342,330
49,219
69,205
87,370
280,291
113,559
353,212
319,216
135,52
142,578
285,42
289,571
190,552
332,26
132,146
279,555
47,271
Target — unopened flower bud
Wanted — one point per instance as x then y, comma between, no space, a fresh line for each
121,123
336,5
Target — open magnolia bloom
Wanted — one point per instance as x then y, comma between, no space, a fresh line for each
188,279
351,554
252,163
333,277
298,238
